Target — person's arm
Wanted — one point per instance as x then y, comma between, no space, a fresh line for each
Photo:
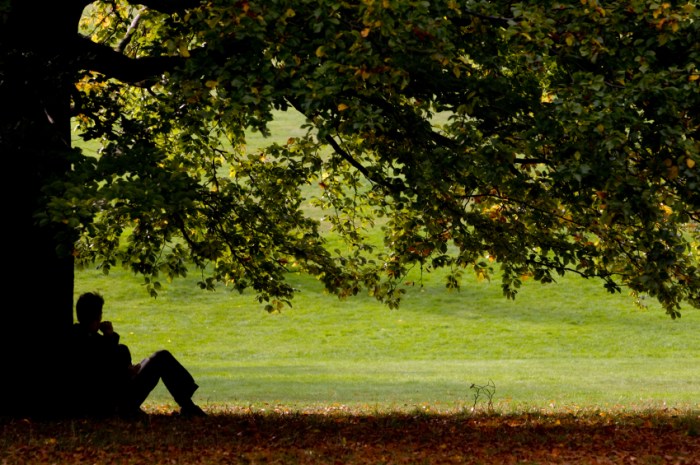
108,332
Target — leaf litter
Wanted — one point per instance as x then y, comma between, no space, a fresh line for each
342,435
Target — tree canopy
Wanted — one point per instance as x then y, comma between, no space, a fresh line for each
505,139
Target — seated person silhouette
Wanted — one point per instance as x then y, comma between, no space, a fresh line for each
106,382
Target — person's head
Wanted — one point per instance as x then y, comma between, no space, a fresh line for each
88,309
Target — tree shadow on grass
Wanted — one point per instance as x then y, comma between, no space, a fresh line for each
339,435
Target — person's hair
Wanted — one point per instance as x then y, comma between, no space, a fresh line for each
89,307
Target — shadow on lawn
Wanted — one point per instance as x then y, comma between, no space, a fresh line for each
341,436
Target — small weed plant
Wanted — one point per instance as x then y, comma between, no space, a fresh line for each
484,393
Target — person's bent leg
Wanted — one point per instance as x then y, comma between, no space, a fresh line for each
144,379
179,382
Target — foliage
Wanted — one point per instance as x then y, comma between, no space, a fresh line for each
338,435
545,137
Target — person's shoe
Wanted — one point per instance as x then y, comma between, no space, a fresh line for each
191,411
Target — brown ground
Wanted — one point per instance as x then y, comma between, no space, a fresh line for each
343,437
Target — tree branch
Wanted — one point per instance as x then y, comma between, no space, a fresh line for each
103,59
357,165
167,6
499,20
129,32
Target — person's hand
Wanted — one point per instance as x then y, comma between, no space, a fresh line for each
106,327
134,370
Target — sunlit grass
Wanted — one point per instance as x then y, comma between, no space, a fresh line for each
564,344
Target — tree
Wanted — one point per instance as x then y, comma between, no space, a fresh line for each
543,137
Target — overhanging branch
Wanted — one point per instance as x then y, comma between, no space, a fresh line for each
168,6
357,165
105,60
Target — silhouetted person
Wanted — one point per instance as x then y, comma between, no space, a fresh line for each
106,381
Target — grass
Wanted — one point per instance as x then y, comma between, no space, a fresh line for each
568,344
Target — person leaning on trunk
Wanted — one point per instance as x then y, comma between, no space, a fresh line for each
105,380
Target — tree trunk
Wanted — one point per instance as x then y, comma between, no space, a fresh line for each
34,142
39,299
40,55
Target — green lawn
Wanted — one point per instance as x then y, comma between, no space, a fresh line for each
565,345
569,344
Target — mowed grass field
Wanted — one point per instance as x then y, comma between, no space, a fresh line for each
567,345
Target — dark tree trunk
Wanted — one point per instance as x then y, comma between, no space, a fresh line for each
35,79
41,54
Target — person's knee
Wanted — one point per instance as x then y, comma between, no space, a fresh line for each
162,355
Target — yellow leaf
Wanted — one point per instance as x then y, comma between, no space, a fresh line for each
342,107
365,32
183,50
211,83
321,51
673,172
569,40
547,98
689,162
694,77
